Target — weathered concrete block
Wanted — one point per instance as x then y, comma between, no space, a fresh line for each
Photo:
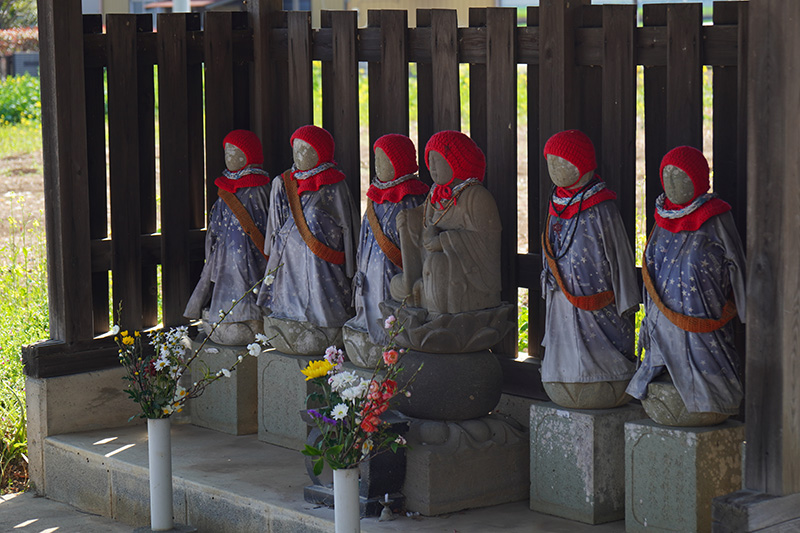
81,480
223,511
577,461
67,404
673,473
282,393
230,404
460,465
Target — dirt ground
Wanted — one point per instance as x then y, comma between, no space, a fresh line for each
21,191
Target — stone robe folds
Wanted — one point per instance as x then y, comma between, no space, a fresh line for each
233,263
375,270
307,288
465,274
590,346
695,272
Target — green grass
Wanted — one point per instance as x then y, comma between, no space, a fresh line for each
24,318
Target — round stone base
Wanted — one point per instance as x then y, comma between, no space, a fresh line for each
233,333
450,386
300,338
599,395
359,348
665,406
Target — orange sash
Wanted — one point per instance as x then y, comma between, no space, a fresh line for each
317,247
587,303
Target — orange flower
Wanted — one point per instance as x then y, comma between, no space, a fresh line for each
390,357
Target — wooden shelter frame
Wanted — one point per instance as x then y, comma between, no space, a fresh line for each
256,70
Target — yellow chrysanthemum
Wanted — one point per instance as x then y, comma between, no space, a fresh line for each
124,333
136,334
316,369
127,340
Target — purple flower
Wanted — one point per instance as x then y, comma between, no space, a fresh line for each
314,413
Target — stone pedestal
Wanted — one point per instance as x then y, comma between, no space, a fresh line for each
452,466
577,461
282,393
672,474
229,404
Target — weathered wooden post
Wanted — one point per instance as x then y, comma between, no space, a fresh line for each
771,499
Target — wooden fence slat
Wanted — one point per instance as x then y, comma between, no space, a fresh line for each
589,78
123,155
219,95
96,171
301,107
242,63
438,82
730,122
425,122
529,266
444,57
477,81
655,121
501,148
618,156
196,142
147,170
264,120
389,86
174,144
64,153
684,76
341,110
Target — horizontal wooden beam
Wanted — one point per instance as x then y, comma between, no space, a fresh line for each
719,45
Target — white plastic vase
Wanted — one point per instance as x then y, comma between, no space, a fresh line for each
159,454
346,512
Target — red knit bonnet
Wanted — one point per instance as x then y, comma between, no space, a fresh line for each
323,144
319,139
248,143
574,146
401,152
460,152
693,162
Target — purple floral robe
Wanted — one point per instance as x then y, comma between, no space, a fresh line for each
695,272
375,270
233,263
307,288
590,346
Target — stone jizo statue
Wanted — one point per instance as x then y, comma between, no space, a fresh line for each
451,254
396,187
311,235
693,268
234,244
589,283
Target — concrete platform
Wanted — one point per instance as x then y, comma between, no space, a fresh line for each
225,483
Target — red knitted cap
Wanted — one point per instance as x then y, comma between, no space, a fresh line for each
693,162
460,152
248,143
401,152
320,139
574,146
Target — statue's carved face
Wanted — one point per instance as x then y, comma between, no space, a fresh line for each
441,172
565,174
305,157
234,157
677,185
384,169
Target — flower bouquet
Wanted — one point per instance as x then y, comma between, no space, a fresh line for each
350,416
154,372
